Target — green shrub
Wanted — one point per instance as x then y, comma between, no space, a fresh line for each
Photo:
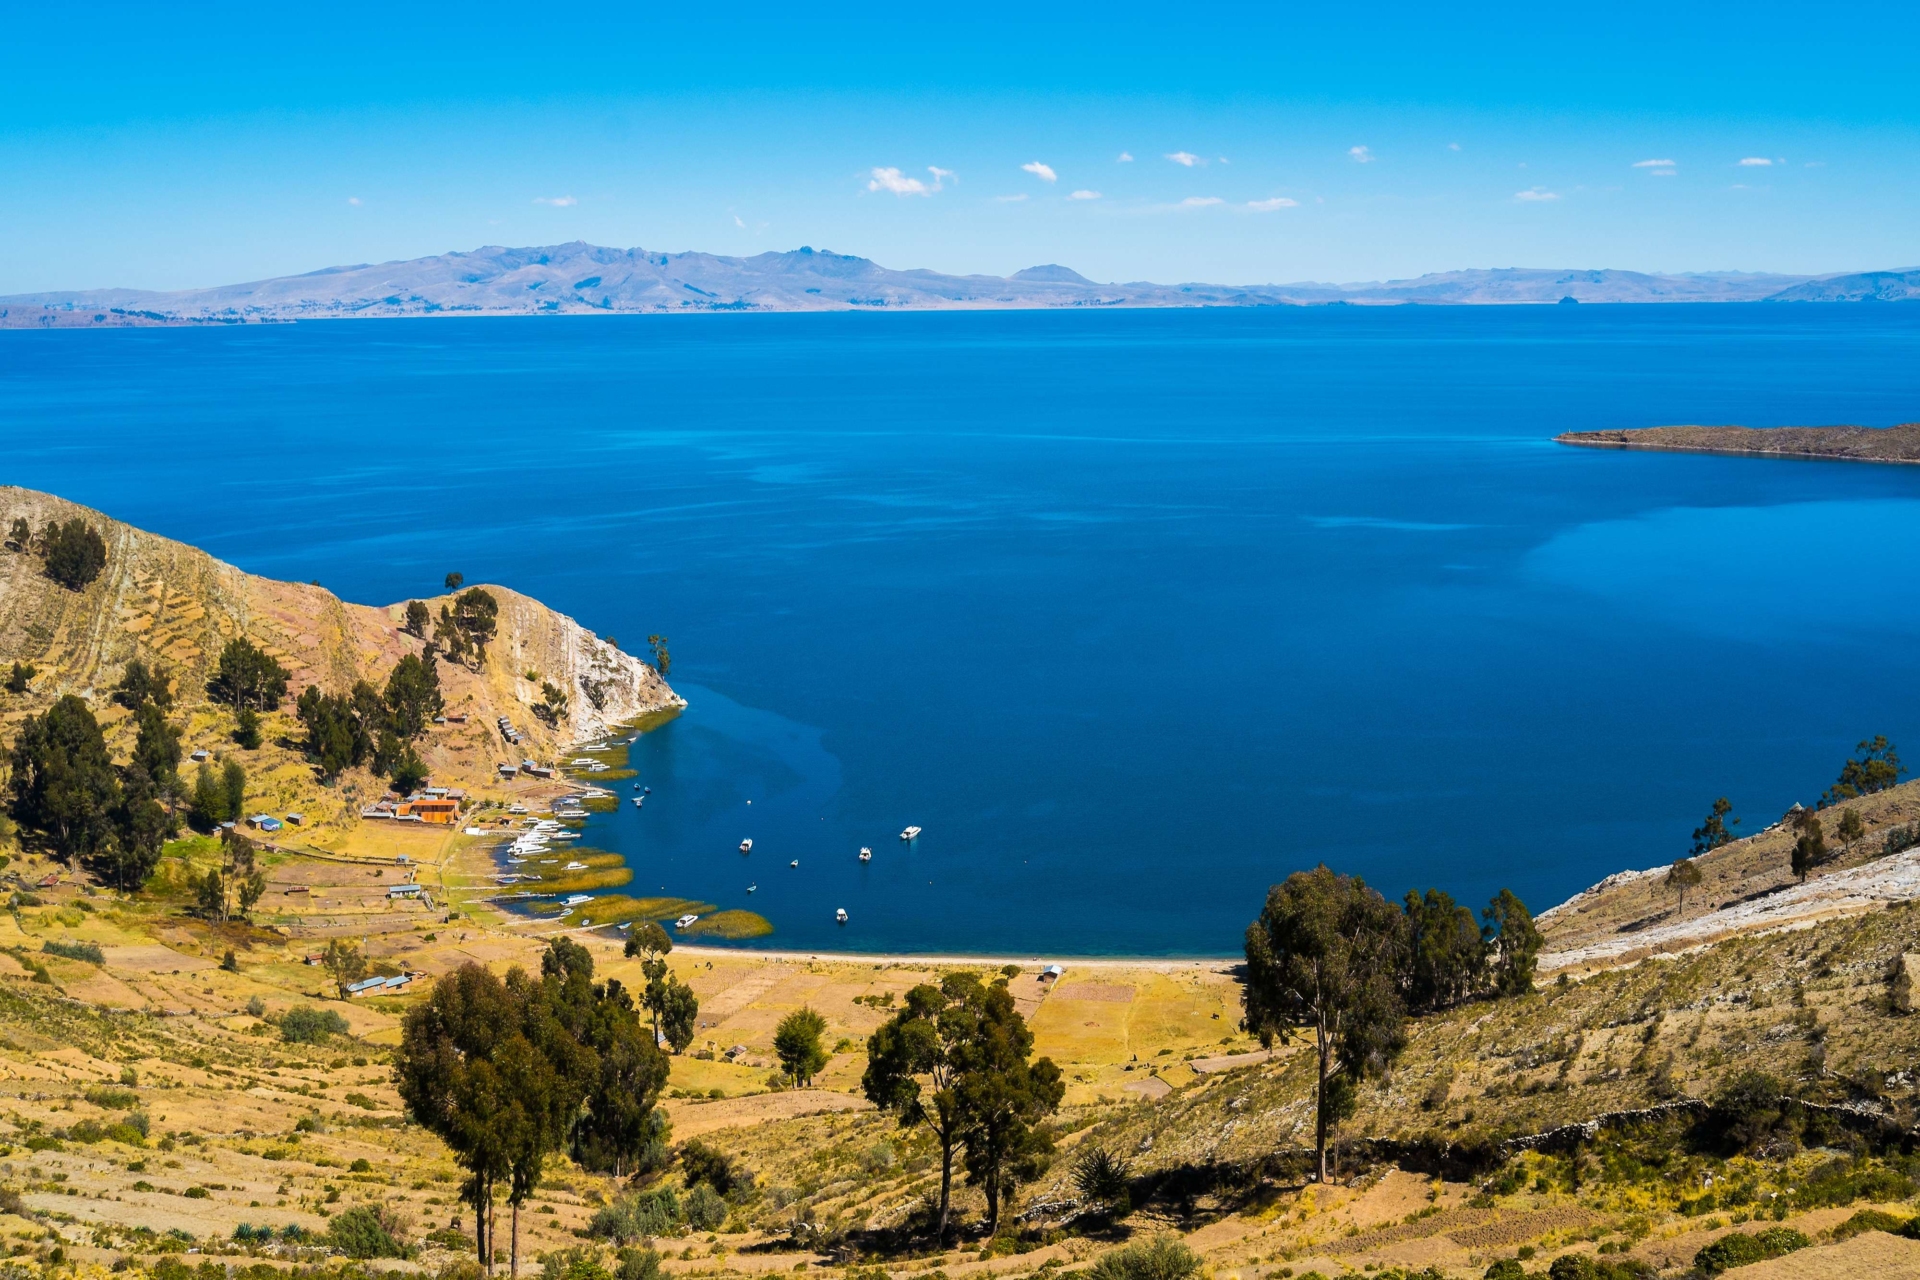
1737,1249
640,1264
359,1233
87,951
198,1193
1841,1182
638,1217
1161,1258
702,1164
1870,1220
706,1211
108,1098
362,1101
362,1165
304,1024
581,1262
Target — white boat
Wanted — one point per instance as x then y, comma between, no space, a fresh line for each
746,846
575,900
840,915
866,854
684,921
910,833
794,863
639,802
575,866
754,887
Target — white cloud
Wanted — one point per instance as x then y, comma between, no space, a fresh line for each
558,202
1268,206
1084,195
1200,202
1125,157
1044,172
891,179
353,200
1536,194
1224,160
1010,199
1755,162
1360,155
942,175
738,223
1453,146
1654,164
1186,158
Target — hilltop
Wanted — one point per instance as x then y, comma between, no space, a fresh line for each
583,279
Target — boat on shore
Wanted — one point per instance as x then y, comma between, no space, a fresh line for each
574,900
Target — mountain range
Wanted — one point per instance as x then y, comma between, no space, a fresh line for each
579,278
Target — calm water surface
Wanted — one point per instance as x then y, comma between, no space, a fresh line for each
1133,612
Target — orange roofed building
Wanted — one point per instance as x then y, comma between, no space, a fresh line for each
430,810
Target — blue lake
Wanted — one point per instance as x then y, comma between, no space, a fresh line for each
1133,612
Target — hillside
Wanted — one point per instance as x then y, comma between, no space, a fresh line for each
1840,444
583,279
175,607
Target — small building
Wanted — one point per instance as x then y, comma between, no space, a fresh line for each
377,811
297,819
405,890
507,770
1051,972
201,756
457,719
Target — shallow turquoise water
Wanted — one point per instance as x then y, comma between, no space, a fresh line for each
1133,612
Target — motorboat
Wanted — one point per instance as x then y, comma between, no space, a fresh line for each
639,802
575,900
636,786
754,887
575,866
840,916
685,921
866,854
794,863
746,846
911,833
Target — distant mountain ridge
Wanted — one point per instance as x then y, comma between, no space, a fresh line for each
580,278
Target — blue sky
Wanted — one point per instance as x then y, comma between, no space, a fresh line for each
169,146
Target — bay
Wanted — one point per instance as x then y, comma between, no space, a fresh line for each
1133,612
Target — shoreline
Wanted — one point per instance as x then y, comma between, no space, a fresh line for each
1897,445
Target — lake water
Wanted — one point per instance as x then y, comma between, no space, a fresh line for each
1133,612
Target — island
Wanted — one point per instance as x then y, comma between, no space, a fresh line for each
1838,444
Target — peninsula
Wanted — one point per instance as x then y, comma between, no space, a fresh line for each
1834,444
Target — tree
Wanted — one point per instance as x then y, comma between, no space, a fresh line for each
245,881
141,684
208,808
338,738
467,625
233,783
1102,1180
157,752
20,678
62,784
648,941
141,828
620,1124
20,534
662,660
1004,1099
409,772
75,553
1875,766
419,618
1809,846
1447,957
796,1042
247,677
246,729
413,695
553,705
448,1077
1324,953
1851,828
679,1011
454,580
1681,877
925,1041
1513,943
344,963
1714,832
